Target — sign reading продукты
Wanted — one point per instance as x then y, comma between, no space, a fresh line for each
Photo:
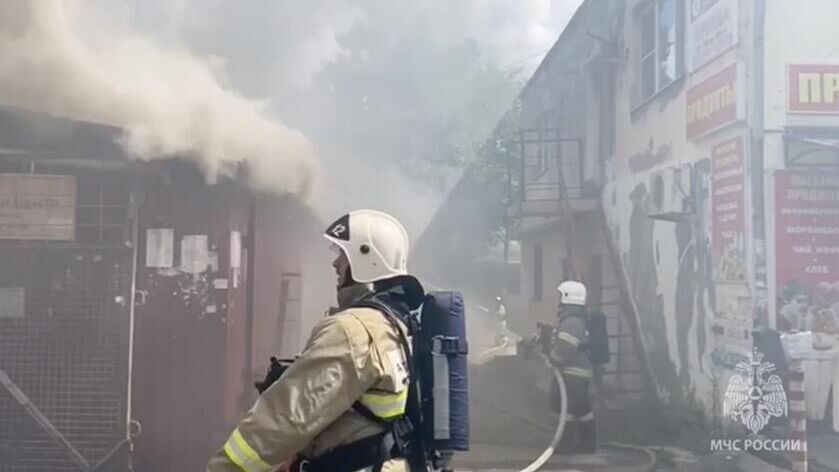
714,103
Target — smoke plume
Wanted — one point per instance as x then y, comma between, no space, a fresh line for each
167,101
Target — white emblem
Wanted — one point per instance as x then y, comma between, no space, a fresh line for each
755,394
338,230
399,369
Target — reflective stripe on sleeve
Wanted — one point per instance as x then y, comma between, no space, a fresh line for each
587,417
243,455
577,372
384,405
569,338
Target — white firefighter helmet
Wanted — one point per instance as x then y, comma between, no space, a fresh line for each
572,293
375,243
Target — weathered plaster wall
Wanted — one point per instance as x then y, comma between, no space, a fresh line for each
553,251
694,328
668,264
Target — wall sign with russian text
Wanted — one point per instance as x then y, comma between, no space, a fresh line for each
813,89
37,207
715,102
728,210
713,31
807,249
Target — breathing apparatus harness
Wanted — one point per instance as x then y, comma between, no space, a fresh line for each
406,436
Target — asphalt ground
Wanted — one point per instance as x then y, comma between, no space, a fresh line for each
511,424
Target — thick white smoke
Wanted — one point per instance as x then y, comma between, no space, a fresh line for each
277,49
168,101
520,32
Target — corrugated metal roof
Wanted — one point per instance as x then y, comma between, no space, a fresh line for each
42,134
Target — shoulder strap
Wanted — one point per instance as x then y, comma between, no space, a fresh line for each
584,346
571,315
413,410
392,318
391,313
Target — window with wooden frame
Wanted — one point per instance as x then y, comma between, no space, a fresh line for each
659,28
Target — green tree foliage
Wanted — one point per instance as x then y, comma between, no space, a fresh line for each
498,165
473,221
416,99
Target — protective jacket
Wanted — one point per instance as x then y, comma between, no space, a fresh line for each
570,356
571,337
352,357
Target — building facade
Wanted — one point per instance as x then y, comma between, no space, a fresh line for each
703,133
136,300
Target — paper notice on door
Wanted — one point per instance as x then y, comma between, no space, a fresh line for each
160,248
195,257
213,255
220,284
235,249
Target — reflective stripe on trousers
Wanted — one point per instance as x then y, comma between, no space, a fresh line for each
385,405
243,455
577,372
582,419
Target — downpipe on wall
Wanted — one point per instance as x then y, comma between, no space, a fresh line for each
132,427
760,308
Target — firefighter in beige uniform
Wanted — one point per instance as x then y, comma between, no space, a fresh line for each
570,357
328,409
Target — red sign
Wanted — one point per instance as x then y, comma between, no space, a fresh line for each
807,230
813,89
713,104
807,249
728,201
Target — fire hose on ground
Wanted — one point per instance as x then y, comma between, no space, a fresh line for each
560,427
495,349
563,413
540,461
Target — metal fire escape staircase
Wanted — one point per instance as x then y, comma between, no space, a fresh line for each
626,381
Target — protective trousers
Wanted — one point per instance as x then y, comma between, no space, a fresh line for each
580,436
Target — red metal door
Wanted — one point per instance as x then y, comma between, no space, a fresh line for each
189,342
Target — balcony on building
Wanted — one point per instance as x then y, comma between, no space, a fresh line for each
549,180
